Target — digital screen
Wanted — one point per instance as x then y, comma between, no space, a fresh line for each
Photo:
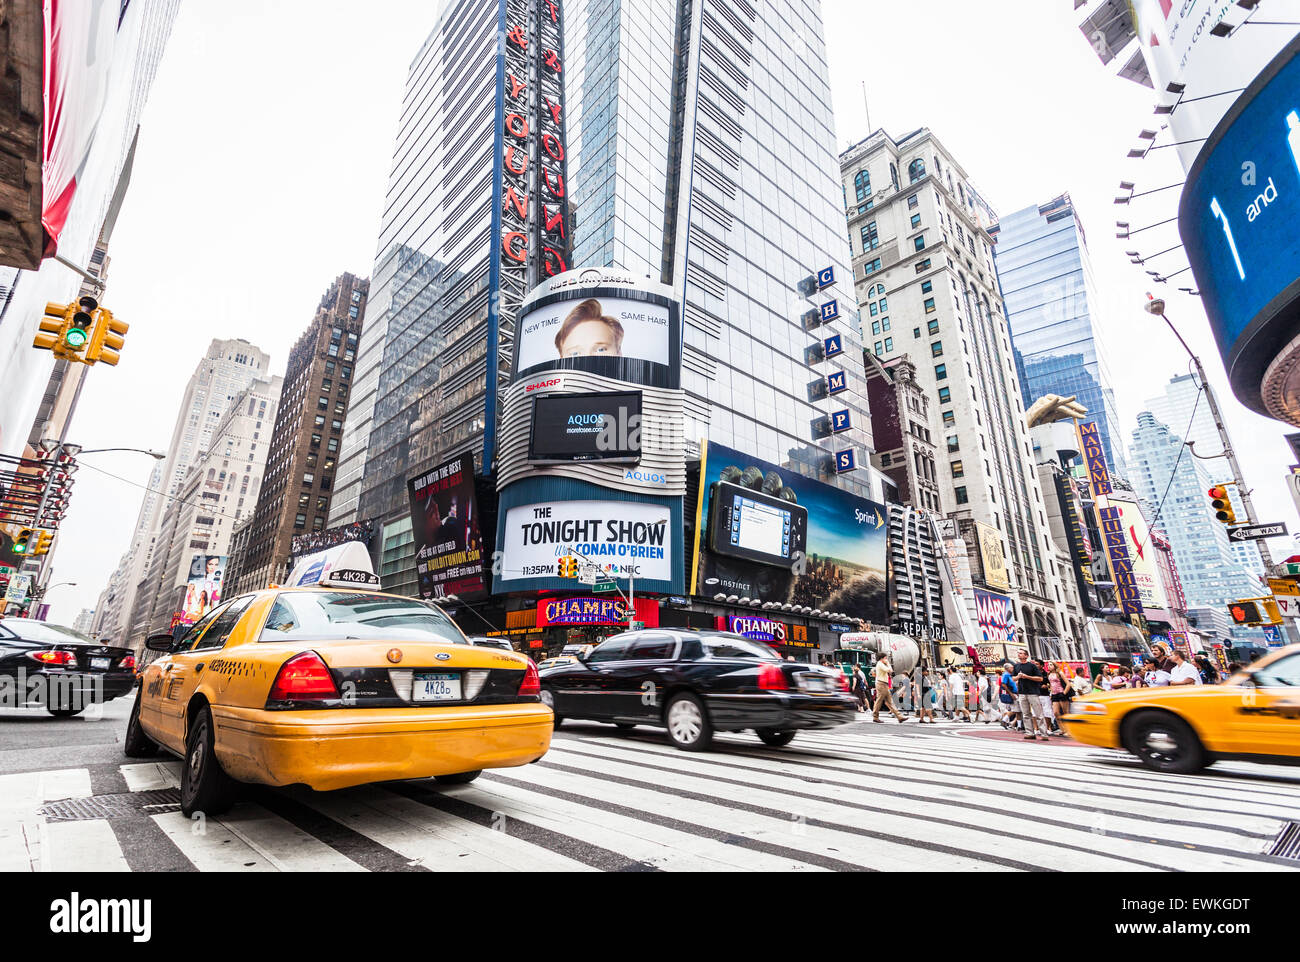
760,527
586,427
1239,210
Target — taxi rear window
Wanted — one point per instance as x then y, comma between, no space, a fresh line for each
350,615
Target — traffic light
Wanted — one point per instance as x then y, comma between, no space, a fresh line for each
568,567
42,545
49,335
22,542
1255,611
77,334
1222,504
65,328
108,337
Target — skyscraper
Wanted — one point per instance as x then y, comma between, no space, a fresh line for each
227,368
304,446
1170,479
1041,256
926,287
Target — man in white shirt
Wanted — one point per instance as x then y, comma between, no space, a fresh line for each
1184,672
957,689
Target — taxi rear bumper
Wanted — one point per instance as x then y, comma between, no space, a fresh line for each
327,749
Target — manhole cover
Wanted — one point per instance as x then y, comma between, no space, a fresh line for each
1287,843
126,805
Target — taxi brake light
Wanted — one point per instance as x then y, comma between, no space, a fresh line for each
302,677
532,683
771,678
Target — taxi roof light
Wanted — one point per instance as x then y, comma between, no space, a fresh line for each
304,676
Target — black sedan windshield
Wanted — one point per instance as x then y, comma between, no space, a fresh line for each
340,615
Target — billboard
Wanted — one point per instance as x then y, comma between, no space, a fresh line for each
626,538
586,427
841,564
992,557
1142,553
445,524
313,541
203,588
596,611
995,615
1237,222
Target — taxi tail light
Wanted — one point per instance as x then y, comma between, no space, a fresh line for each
532,683
772,678
56,658
302,677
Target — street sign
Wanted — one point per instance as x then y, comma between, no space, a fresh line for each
1282,586
1249,532
588,574
602,586
1288,605
636,625
19,586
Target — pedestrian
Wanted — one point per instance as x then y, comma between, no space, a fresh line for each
1184,672
985,704
860,687
1007,696
928,694
1209,674
1081,685
1125,677
957,691
1061,692
1029,686
1153,675
884,696
1164,660
921,693
1045,698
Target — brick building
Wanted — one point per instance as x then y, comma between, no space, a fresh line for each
300,470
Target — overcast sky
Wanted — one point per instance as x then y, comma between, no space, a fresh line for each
263,163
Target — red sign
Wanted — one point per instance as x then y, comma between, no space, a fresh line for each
595,611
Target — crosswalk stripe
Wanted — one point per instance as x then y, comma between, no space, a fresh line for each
640,838
81,846
210,846
773,824
1068,842
21,826
152,776
997,791
283,844
445,844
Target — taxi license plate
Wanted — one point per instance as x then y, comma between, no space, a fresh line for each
435,686
100,664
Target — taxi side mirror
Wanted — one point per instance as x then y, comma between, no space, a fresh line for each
163,641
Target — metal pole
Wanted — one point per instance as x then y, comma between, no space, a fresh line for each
45,493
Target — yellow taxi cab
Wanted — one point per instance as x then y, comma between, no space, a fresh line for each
329,685
1253,716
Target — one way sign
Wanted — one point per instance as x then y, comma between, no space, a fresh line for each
1249,532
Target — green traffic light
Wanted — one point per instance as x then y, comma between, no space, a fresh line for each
75,338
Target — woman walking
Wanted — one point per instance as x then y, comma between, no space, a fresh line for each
1061,692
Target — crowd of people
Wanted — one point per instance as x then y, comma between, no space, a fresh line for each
1026,695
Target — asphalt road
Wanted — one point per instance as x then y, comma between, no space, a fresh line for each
889,796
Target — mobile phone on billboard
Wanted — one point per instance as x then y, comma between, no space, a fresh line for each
754,526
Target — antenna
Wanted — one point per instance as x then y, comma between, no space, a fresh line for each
867,106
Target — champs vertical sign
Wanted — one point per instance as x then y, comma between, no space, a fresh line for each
1109,520
531,204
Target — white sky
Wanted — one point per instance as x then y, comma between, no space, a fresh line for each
263,163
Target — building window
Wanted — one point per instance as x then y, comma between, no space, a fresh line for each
949,419
940,372
916,332
884,323
884,304
878,349
936,349
320,420
912,202
961,495
322,403
933,327
874,310
958,470
954,442
889,344
916,221
308,479
915,170
945,395
326,385
929,305
870,239
918,242
315,440
875,327
332,445
870,267
927,287
318,522
300,521
923,265
304,500
862,185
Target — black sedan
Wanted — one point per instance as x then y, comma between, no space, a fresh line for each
58,668
695,683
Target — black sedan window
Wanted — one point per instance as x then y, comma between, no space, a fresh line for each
343,615
659,647
612,649
721,646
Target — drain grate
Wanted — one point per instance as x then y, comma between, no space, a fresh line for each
1287,843
127,805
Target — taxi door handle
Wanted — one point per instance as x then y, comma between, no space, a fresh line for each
198,668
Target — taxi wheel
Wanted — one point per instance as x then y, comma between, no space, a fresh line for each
688,724
1165,743
137,744
460,778
204,786
774,738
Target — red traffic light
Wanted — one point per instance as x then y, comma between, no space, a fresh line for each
1218,491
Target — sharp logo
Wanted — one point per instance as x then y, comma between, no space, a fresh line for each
77,916
549,382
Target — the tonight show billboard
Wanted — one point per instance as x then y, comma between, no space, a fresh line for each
445,523
842,565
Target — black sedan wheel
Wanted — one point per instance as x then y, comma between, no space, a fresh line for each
460,778
1165,743
774,738
204,786
137,744
65,712
688,723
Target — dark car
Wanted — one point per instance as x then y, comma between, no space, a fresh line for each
58,668
695,683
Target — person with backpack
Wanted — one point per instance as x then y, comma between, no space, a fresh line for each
1007,696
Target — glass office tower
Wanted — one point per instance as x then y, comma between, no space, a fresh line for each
1051,302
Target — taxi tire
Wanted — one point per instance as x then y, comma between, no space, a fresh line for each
775,739
209,790
137,744
460,778
1191,754
700,717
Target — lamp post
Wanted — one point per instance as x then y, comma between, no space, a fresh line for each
1156,306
